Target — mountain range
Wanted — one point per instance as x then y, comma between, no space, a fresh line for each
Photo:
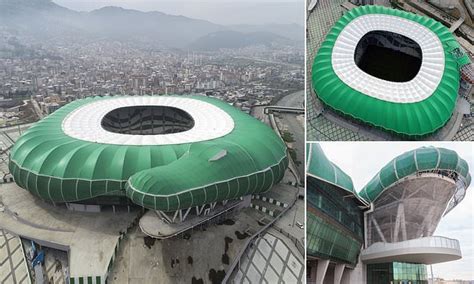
45,20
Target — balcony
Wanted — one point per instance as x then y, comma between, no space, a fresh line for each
428,250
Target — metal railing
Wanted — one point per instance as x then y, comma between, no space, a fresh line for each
426,242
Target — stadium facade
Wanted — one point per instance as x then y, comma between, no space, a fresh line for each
177,155
390,69
384,233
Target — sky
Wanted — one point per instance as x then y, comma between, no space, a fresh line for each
362,160
224,12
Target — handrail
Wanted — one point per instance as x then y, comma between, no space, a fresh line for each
433,241
283,109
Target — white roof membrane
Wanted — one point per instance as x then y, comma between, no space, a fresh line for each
210,122
418,89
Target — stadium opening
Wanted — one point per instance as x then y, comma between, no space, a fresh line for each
378,49
147,120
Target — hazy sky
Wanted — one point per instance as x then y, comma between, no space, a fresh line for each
363,160
225,12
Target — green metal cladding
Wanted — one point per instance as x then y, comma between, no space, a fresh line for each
320,166
408,119
56,167
412,162
325,239
328,220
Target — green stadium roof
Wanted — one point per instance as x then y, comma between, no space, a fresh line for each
320,167
414,108
69,157
412,162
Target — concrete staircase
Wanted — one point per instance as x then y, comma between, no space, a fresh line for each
269,206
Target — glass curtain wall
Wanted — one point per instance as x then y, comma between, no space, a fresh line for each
334,223
397,273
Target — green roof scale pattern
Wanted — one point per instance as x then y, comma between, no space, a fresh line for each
59,168
319,166
422,115
412,162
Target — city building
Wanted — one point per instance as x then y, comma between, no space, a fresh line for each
384,233
393,70
334,222
177,155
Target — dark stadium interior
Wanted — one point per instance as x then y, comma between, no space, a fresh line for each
147,120
388,56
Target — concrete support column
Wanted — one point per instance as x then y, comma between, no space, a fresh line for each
338,271
312,276
321,271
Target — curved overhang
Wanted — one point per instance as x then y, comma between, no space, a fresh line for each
422,160
415,107
428,250
409,209
320,167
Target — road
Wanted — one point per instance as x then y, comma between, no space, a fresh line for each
37,109
295,99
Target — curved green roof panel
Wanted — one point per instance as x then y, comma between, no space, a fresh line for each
204,151
318,165
413,162
412,108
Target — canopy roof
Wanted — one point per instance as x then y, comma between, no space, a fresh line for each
414,108
320,167
412,162
68,157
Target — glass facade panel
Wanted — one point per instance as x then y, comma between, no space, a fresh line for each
337,203
397,273
328,242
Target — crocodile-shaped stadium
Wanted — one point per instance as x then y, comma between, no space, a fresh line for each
162,152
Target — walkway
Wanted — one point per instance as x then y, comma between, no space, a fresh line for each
13,265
